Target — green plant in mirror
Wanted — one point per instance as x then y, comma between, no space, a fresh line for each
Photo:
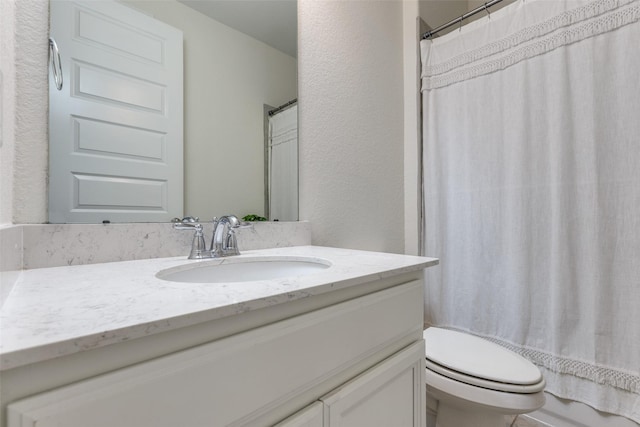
252,217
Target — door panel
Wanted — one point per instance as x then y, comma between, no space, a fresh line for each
391,393
311,416
115,128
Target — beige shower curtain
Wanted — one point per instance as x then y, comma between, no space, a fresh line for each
532,190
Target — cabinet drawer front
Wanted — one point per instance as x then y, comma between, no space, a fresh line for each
311,416
391,393
235,378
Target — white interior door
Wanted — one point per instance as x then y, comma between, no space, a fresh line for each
115,128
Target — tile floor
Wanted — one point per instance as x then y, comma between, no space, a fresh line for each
523,421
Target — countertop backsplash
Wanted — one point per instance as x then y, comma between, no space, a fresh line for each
10,259
32,246
75,244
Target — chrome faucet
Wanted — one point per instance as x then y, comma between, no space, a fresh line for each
223,241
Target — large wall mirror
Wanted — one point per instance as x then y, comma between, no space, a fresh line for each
239,64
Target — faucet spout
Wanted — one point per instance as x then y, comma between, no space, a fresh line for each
224,241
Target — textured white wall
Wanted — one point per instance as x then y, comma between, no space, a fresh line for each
477,3
413,29
438,12
31,109
24,157
351,123
7,109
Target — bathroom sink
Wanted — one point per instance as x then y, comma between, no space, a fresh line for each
244,269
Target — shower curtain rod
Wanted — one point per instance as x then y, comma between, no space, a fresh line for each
282,107
484,7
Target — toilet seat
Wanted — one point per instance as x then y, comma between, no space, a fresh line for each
465,397
479,362
481,382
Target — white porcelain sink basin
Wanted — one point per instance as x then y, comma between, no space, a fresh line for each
244,269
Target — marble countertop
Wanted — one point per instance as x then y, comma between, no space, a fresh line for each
58,311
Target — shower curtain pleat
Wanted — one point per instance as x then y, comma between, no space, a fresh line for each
532,190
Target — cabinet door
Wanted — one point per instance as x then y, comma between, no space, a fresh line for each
391,393
311,416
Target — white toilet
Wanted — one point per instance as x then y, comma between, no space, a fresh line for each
472,382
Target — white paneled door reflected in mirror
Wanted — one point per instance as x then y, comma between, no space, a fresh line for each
162,110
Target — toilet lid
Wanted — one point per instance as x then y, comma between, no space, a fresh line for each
479,358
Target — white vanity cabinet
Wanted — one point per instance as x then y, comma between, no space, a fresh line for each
311,416
357,362
389,394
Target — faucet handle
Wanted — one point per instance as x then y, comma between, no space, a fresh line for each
235,223
186,223
239,226
198,245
